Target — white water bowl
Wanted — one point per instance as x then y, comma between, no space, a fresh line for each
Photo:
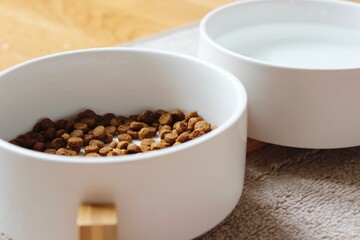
299,61
174,193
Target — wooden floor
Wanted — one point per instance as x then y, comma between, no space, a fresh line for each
34,28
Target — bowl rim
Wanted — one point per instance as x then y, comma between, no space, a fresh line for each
212,15
240,110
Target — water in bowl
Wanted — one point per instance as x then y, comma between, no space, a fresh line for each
299,45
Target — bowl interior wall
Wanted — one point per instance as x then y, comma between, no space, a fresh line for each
274,11
122,82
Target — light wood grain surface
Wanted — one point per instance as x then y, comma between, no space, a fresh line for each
34,28
97,222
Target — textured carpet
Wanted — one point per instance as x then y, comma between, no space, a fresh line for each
289,193
297,194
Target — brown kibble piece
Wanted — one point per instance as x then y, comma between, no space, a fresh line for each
47,145
32,135
28,136
91,149
122,145
124,137
100,121
110,130
96,142
155,125
109,116
113,153
157,145
118,151
191,115
180,127
146,116
75,142
133,134
47,123
165,127
99,132
65,136
158,113
40,137
69,125
15,142
60,124
50,150
177,115
77,133
66,152
39,146
49,134
146,143
123,151
87,138
163,132
196,133
93,154
90,122
165,144
127,121
145,148
81,126
123,128
134,117
76,149
88,114
183,137
27,143
121,118
105,150
113,144
37,127
60,132
108,138
133,148
170,138
192,122
203,126
147,132
25,136
116,122
166,119
58,143
137,125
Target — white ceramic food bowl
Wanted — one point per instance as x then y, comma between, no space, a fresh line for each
300,64
175,193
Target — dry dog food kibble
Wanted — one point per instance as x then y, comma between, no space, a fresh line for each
99,132
94,135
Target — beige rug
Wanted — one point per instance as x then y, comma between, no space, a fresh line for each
297,194
289,193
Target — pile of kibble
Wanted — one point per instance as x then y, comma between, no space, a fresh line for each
94,135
